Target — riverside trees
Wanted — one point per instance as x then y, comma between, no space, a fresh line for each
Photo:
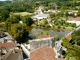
73,46
18,31
28,20
76,37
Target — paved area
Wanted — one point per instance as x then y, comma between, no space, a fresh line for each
8,37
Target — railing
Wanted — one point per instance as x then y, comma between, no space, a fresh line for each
25,50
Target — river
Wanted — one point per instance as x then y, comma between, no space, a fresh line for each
33,31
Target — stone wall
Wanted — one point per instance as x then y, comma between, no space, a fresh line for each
34,44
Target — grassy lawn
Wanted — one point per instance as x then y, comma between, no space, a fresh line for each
72,58
76,47
69,28
2,23
55,28
74,52
22,13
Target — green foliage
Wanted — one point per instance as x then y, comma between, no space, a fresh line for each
58,27
4,14
76,47
47,26
76,37
68,54
78,12
19,32
72,53
65,43
77,58
52,15
2,26
19,17
73,24
28,20
56,37
18,6
45,21
72,58
9,22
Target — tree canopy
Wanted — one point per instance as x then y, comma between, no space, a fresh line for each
19,32
76,37
28,20
9,22
4,14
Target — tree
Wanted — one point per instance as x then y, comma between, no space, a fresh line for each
19,17
19,32
78,13
9,22
4,14
0,19
56,37
45,21
52,15
28,20
66,43
58,27
76,37
73,24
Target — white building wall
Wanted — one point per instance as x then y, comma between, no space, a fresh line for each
74,21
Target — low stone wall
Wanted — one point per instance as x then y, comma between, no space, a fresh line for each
34,44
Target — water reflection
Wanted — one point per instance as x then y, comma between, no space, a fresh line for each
33,31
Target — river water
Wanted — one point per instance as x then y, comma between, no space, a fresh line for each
33,31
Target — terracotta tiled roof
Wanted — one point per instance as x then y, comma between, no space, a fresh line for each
7,45
44,36
1,44
43,53
71,18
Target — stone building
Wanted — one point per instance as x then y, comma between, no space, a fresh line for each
34,44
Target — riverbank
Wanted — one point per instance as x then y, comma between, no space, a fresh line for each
54,28
36,31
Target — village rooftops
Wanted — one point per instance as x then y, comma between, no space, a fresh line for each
40,16
43,53
41,7
76,19
12,55
7,45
